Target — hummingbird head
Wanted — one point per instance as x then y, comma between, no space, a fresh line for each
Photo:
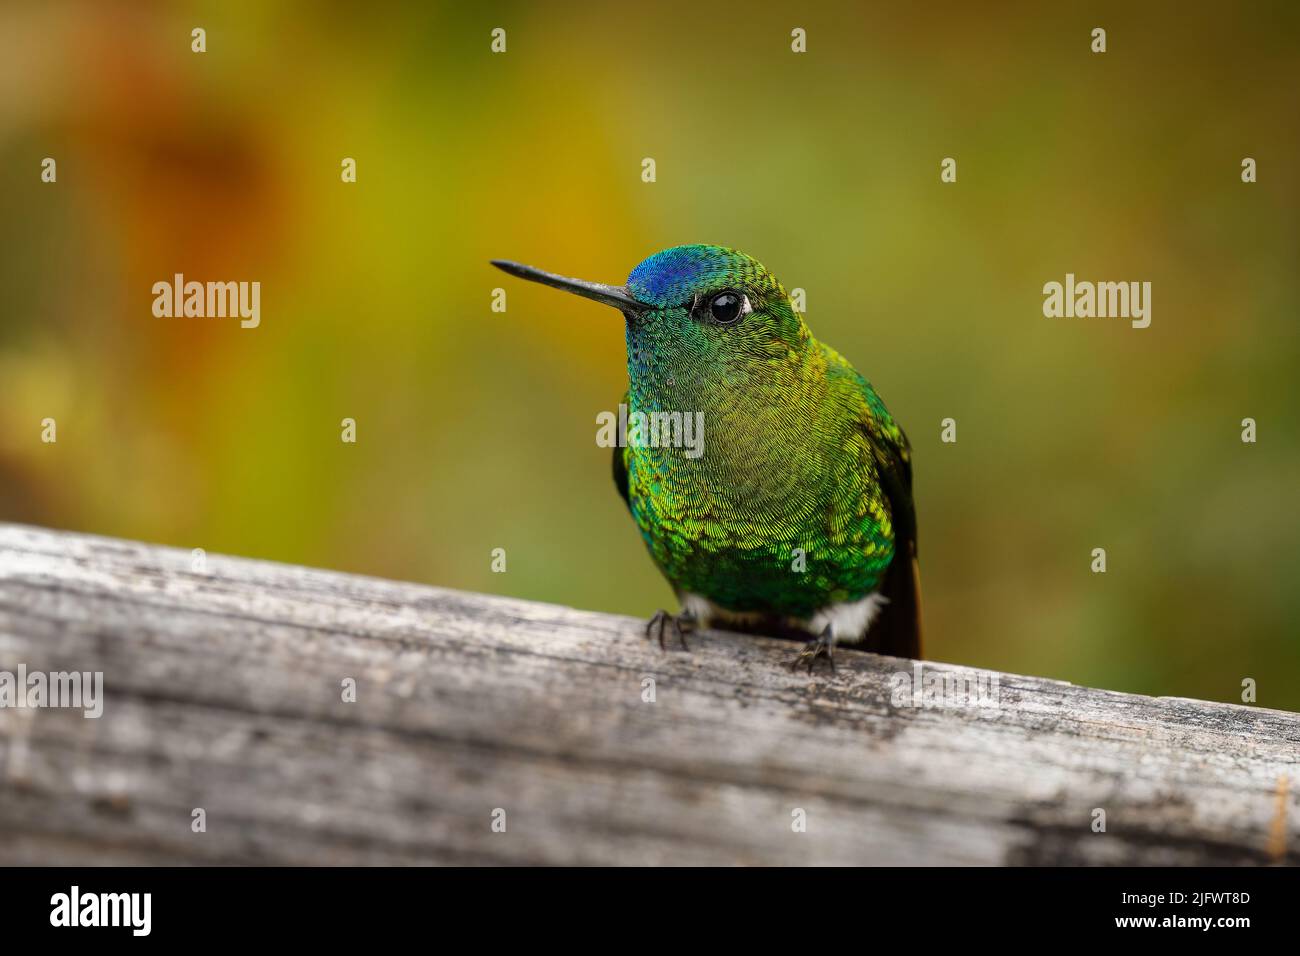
695,314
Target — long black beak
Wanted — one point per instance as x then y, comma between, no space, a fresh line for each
614,295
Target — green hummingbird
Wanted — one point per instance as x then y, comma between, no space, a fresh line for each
795,517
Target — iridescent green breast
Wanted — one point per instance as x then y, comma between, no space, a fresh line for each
783,513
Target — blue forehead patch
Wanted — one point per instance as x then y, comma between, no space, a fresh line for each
671,277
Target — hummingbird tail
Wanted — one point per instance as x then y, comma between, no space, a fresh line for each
897,631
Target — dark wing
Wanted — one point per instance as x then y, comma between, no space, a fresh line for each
620,469
620,475
897,629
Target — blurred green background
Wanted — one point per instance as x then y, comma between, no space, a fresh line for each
476,429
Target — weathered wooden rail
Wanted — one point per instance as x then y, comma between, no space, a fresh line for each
223,690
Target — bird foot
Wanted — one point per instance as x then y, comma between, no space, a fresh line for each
680,624
815,649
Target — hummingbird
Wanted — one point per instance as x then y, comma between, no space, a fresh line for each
796,520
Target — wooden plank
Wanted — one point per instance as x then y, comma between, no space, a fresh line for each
223,691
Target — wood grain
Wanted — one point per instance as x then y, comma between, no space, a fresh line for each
223,691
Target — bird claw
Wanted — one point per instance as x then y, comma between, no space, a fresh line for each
818,647
681,624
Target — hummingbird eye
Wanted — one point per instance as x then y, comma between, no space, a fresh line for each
727,307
